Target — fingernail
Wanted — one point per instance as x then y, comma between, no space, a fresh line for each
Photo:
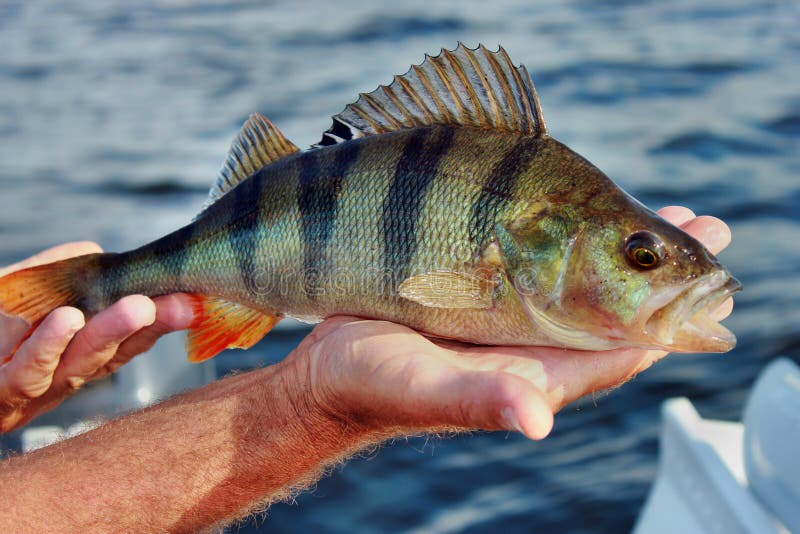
186,316
75,382
185,313
77,322
510,420
74,328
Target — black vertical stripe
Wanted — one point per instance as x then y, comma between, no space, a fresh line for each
105,283
172,251
318,202
498,190
415,171
311,215
243,228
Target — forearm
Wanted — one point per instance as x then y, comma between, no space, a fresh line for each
196,460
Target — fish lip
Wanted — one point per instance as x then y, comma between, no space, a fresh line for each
685,324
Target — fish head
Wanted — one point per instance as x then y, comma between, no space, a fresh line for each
617,276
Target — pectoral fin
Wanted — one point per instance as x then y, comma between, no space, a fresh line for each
220,324
446,289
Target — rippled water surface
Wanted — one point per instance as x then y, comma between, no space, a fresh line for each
115,116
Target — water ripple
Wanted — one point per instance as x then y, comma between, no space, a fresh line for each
788,125
616,81
380,29
710,146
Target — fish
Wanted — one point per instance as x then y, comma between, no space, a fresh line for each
438,201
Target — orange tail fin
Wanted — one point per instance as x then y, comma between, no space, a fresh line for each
220,324
34,292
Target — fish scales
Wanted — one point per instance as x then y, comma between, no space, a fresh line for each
372,228
380,230
439,202
318,199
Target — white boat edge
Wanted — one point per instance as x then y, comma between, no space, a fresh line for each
728,477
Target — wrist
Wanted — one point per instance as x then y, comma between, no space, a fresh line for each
324,428
326,400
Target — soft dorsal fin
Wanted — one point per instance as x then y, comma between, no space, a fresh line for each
462,87
258,144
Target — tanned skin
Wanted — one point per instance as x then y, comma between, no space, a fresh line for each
214,454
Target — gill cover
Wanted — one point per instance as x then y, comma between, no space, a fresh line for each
538,249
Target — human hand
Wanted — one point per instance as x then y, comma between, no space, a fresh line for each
64,351
384,377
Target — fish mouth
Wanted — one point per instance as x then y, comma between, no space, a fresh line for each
686,324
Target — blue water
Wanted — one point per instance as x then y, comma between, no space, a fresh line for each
115,116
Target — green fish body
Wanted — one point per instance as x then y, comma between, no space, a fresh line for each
438,202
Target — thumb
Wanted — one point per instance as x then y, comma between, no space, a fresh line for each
489,400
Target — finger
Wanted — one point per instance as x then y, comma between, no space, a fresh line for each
12,334
710,231
523,362
556,372
60,252
677,215
173,312
496,400
29,374
562,375
491,400
586,372
530,412
98,341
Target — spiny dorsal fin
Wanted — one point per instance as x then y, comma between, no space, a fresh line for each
463,87
258,144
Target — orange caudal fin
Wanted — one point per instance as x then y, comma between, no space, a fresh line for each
221,324
34,292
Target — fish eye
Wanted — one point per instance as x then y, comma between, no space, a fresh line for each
644,249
